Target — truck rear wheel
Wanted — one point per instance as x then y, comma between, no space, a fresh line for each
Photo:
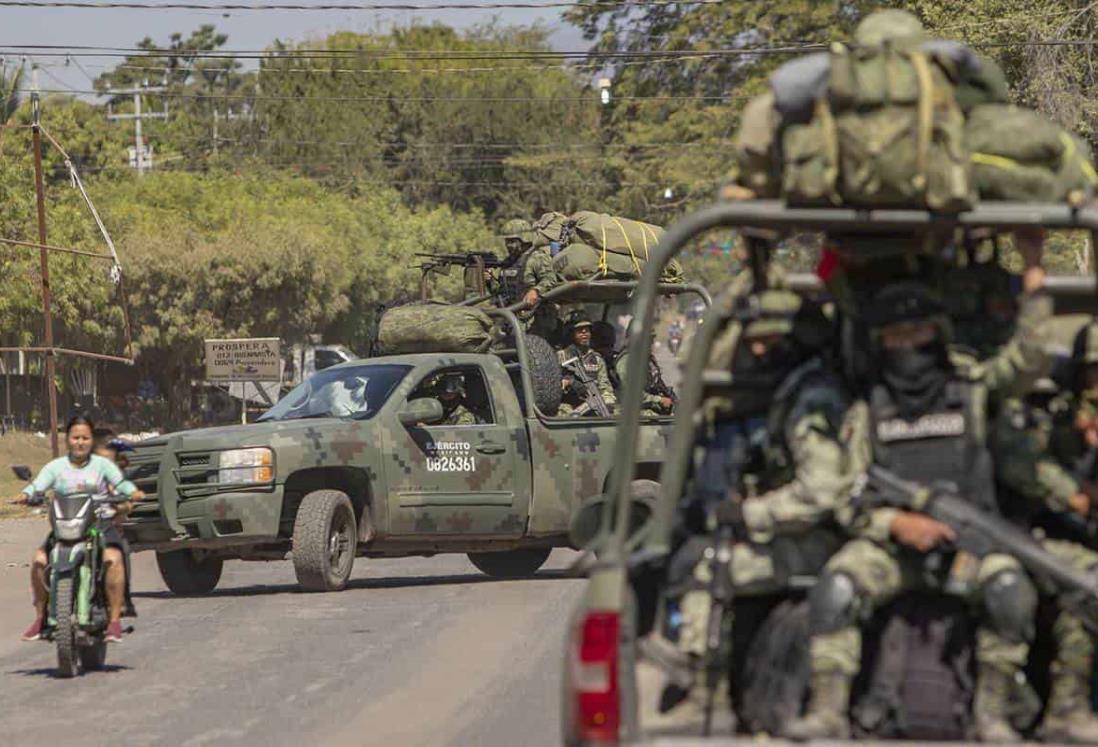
325,541
185,573
510,563
544,374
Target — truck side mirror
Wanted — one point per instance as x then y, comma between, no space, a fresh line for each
425,411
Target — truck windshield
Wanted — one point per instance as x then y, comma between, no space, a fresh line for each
356,392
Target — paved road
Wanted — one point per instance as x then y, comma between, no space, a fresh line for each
420,651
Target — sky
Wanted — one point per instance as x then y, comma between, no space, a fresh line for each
246,29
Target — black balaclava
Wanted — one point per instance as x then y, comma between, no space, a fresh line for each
916,377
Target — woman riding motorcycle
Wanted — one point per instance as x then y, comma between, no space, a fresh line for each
81,471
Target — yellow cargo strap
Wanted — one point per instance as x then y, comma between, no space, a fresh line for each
1071,152
926,119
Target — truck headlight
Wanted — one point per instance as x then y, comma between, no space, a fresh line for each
242,466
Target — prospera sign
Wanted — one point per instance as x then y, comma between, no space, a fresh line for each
257,359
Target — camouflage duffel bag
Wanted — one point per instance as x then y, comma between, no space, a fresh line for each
1020,155
583,262
617,235
889,133
553,228
434,328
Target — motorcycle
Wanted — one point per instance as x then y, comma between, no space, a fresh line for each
77,616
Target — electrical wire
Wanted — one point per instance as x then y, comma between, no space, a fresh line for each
393,100
552,4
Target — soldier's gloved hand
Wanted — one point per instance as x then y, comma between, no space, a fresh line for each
919,531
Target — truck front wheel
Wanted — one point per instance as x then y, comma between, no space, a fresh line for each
184,573
510,563
325,541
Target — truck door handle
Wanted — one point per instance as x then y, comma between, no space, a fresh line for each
490,448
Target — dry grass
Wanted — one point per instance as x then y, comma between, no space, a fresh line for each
18,448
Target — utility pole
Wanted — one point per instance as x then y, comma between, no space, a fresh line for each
137,117
44,262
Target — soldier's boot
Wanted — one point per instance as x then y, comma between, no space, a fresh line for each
826,717
990,709
1068,716
682,712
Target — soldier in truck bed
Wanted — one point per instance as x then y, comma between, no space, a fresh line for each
1046,460
529,275
772,445
924,414
573,401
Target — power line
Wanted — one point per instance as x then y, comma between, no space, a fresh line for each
411,55
593,99
89,5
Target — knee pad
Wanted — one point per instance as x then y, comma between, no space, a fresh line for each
833,603
1010,603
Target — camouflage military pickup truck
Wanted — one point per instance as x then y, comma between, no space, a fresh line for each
356,461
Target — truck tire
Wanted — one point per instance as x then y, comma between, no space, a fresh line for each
325,541
544,374
185,575
510,563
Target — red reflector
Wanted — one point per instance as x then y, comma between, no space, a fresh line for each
597,708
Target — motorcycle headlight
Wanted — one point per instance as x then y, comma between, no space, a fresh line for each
242,466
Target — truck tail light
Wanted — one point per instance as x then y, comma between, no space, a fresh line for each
593,679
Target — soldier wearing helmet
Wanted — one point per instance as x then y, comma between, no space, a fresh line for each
1047,455
923,414
451,392
580,353
529,275
771,466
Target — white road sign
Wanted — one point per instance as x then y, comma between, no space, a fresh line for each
244,360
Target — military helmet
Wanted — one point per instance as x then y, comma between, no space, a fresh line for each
520,229
452,383
578,318
889,25
904,302
1084,350
770,312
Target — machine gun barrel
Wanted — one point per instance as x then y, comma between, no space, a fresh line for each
982,533
592,395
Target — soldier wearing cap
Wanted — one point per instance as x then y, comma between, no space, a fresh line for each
580,351
1048,458
923,413
529,275
771,460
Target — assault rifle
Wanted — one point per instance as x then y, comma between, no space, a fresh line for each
478,281
981,533
656,384
718,628
591,393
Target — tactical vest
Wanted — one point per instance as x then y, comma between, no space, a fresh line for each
946,443
615,380
511,283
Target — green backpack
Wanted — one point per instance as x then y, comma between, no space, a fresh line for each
889,133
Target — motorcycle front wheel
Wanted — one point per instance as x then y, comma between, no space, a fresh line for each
68,655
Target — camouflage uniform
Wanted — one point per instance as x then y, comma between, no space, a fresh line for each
531,269
459,415
872,569
652,401
1043,458
595,366
778,451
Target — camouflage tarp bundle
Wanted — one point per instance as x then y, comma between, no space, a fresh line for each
434,328
1018,154
553,228
618,235
901,120
584,262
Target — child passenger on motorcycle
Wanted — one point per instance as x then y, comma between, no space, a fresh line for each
81,471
